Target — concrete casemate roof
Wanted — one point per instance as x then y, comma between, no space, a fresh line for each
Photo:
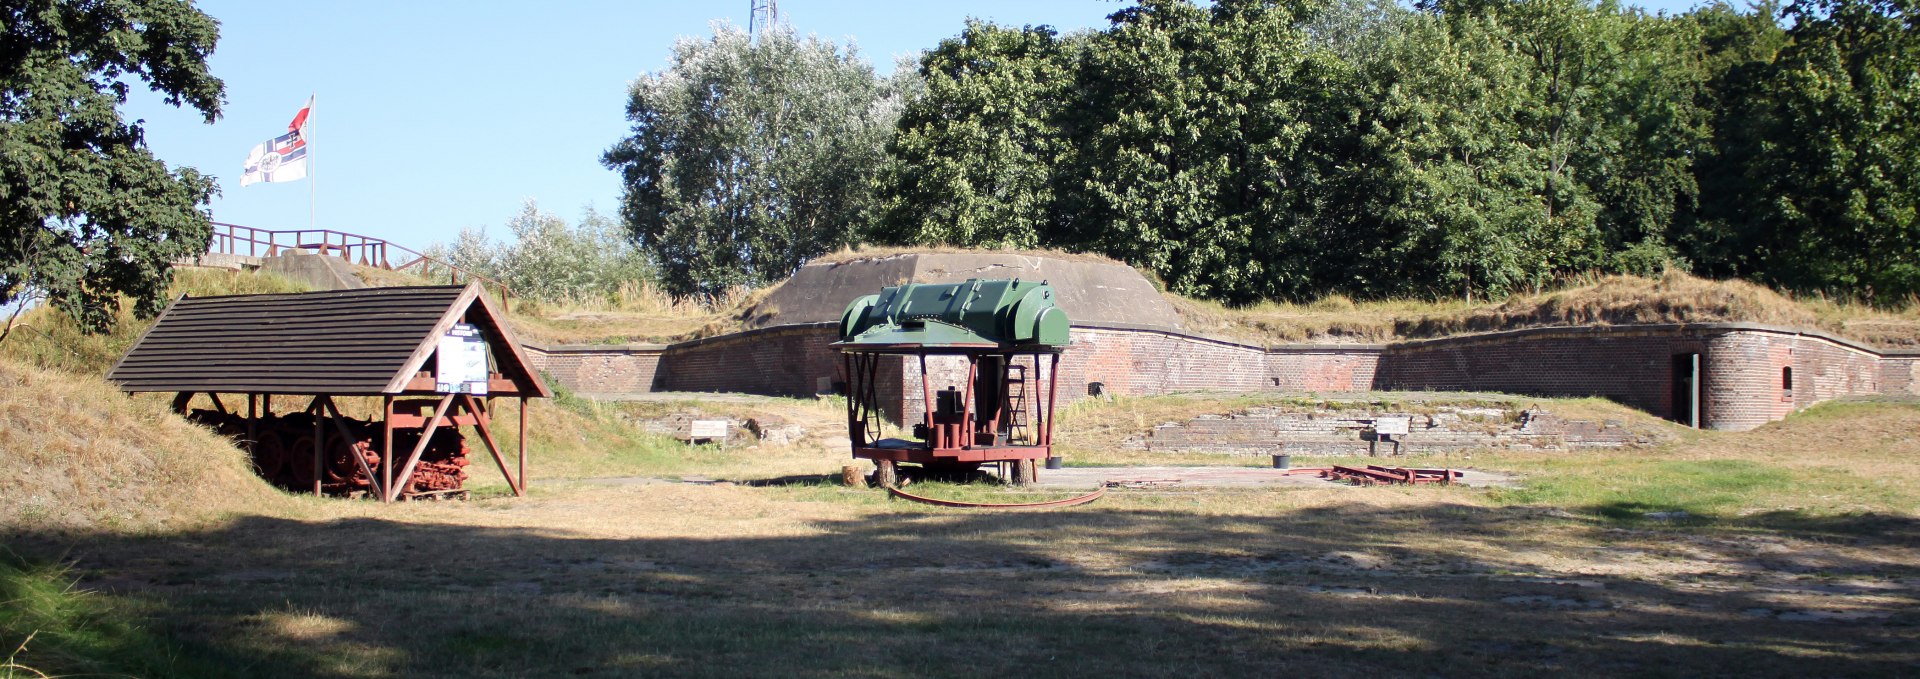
1091,292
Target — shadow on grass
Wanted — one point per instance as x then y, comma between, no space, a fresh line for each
1345,591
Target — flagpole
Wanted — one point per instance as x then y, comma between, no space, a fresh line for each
313,102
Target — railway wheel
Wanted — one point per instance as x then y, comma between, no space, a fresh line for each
885,474
269,456
299,474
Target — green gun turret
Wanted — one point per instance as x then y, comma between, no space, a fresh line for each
996,314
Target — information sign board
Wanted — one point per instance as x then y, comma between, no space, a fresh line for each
461,362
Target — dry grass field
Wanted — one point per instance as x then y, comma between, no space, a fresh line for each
134,544
1789,551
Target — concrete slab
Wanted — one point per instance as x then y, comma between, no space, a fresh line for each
321,272
1217,477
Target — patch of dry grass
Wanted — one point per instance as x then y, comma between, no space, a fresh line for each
638,312
1675,297
76,453
871,252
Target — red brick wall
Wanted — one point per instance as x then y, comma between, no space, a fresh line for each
1632,367
1749,386
787,360
1350,368
614,369
1900,375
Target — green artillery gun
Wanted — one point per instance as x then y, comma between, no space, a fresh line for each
1009,332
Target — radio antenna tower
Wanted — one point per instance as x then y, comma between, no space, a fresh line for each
761,15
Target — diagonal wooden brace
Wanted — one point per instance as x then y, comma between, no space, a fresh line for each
406,472
348,436
481,421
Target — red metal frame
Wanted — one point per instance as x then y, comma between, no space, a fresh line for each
447,411
949,442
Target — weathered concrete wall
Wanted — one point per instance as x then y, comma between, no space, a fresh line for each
319,271
1091,292
221,260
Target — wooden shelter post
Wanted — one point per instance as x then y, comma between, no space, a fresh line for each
966,404
319,443
523,442
481,420
926,397
847,365
253,418
386,448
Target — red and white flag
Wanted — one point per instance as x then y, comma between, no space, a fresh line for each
283,158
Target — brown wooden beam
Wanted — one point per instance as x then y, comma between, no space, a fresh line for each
319,443
497,384
481,420
253,418
181,401
386,447
523,442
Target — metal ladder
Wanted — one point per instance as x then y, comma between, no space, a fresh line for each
1017,431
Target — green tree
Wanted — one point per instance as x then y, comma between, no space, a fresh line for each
973,160
1200,142
550,260
87,212
1825,154
1516,141
1737,49
749,156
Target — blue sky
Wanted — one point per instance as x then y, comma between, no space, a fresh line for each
433,116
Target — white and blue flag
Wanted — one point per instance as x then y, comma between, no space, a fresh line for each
283,158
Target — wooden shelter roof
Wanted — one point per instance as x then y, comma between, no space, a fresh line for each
366,342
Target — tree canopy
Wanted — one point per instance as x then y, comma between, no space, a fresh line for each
1250,149
87,212
750,155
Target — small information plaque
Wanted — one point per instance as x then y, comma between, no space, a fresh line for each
712,430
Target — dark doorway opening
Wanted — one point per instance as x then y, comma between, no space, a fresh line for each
1688,394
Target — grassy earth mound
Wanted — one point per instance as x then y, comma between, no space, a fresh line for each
76,453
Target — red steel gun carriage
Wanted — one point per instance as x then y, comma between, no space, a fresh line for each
1008,333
